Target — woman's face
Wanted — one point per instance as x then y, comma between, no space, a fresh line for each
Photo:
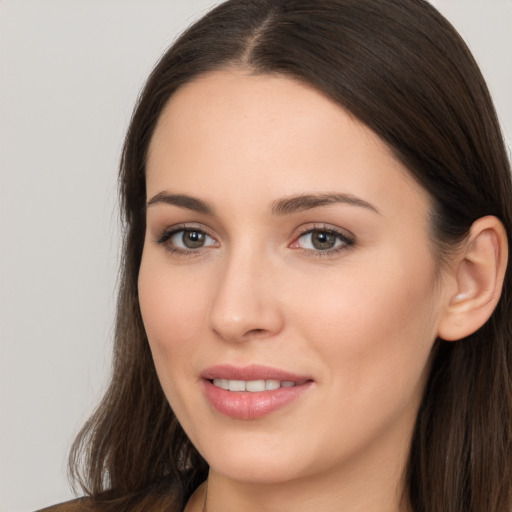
286,258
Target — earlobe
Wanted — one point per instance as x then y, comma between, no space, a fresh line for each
478,272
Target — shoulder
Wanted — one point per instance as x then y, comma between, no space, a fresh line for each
78,505
144,503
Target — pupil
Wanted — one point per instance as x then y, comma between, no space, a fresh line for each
193,239
323,240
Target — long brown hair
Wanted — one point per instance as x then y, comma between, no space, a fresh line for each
402,69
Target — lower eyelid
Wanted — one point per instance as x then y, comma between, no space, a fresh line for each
345,239
165,239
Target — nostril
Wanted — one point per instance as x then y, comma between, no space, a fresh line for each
256,333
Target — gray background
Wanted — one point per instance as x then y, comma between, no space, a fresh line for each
70,71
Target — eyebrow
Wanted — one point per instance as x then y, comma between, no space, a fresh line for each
303,202
284,206
183,201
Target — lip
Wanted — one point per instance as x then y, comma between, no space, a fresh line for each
249,405
252,372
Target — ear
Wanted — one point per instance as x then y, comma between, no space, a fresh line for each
478,274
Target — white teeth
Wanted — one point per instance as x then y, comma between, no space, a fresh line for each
222,383
253,386
236,385
272,384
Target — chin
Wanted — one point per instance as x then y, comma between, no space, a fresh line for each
262,471
255,459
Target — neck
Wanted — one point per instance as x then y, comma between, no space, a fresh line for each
377,492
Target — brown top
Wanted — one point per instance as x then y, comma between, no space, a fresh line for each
149,502
156,499
78,505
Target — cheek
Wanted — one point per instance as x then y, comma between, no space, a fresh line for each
172,310
376,324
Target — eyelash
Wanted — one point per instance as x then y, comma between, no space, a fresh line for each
166,236
346,240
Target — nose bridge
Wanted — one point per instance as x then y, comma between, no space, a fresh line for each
244,304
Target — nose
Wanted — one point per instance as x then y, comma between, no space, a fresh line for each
245,303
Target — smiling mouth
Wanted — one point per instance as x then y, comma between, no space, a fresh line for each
253,398
252,392
254,386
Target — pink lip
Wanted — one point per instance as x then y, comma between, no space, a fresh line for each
252,372
249,405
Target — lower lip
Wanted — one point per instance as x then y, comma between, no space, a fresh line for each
248,405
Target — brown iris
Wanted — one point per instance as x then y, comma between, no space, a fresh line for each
323,240
193,239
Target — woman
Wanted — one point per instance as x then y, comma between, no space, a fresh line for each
314,311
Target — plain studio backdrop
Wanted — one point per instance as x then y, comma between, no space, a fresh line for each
70,72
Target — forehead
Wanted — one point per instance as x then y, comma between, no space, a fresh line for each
270,108
258,133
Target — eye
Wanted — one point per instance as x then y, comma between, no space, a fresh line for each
324,240
186,239
191,239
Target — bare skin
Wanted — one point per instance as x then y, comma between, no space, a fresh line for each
340,288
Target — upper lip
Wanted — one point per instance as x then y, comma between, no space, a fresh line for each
251,372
